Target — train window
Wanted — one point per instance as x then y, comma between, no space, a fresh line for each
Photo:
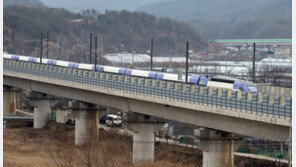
253,89
222,80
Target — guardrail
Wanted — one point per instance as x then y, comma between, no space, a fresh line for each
275,91
277,106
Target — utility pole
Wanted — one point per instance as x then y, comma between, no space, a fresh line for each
187,56
13,33
254,59
82,47
102,49
13,37
90,47
151,54
47,43
58,44
41,42
96,47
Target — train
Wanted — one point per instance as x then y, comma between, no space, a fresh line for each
201,80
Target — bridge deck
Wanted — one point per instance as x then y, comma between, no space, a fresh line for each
173,97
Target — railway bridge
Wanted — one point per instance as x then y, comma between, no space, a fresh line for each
226,115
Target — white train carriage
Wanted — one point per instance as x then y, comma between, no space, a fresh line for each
140,73
86,66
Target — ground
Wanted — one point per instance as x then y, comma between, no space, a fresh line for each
54,146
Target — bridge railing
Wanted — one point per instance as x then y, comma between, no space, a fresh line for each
277,106
275,91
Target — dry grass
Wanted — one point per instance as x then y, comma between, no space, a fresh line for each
54,146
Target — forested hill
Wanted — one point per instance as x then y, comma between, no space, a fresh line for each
27,3
230,18
120,31
99,5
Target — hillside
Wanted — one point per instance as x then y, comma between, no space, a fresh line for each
26,3
99,5
230,19
120,31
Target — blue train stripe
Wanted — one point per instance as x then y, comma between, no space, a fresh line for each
75,65
128,72
159,76
54,62
194,79
101,68
121,71
15,58
152,75
49,62
31,59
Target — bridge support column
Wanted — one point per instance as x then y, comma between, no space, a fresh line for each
144,128
9,100
86,122
42,111
143,141
218,148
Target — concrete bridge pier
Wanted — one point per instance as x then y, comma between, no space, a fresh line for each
144,128
218,148
143,141
10,95
86,120
42,109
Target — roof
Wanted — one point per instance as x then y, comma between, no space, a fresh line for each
251,40
113,116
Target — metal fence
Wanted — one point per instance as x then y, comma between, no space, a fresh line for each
221,98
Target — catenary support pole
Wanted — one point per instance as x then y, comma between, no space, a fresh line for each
254,59
96,47
90,47
187,56
41,42
151,54
47,43
102,48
